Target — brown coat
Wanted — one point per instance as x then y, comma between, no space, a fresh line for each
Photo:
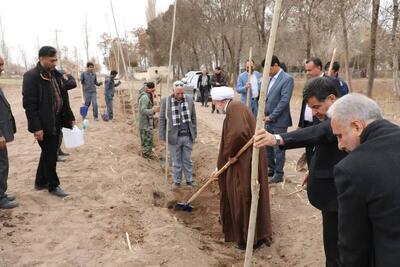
235,183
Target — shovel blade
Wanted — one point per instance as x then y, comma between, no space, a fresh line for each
184,207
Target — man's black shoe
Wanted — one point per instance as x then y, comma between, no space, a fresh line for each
6,204
41,187
241,245
275,180
62,153
58,192
10,197
60,159
259,243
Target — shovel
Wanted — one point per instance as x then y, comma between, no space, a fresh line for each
185,206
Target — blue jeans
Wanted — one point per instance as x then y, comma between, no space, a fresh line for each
254,107
181,154
109,104
91,98
275,156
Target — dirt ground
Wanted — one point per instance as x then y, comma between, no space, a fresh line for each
114,191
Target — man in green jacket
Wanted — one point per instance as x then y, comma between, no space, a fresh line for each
146,112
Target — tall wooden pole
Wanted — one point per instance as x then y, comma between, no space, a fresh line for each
255,186
166,99
78,74
249,92
331,63
119,41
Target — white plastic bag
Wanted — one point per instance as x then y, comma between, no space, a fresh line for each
73,138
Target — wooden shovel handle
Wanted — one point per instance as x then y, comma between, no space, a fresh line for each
219,172
248,95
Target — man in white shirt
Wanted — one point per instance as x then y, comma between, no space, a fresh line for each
277,115
243,86
313,69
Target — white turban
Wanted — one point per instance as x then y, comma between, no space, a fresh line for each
222,93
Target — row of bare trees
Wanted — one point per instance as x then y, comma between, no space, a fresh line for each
220,32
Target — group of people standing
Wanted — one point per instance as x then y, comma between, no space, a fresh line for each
353,161
47,108
206,82
177,120
352,151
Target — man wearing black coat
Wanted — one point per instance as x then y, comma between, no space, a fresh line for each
7,131
204,85
368,184
46,104
319,93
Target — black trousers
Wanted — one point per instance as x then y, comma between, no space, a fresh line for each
60,138
309,149
204,91
46,172
3,171
330,235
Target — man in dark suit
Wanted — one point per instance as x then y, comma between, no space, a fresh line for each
313,69
319,93
46,104
368,183
7,130
344,88
277,115
204,85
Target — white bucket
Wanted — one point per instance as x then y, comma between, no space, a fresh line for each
73,138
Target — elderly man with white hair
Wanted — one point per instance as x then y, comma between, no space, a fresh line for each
182,132
235,184
368,183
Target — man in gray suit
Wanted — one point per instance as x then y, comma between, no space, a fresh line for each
277,116
182,132
7,130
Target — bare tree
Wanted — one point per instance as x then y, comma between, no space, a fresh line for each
86,38
23,57
372,55
151,10
395,48
345,37
3,45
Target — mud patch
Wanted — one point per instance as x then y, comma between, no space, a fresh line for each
159,199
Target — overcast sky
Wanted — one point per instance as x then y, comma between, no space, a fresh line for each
29,22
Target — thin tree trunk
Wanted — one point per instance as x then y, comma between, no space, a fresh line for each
259,16
372,55
196,56
223,50
346,45
395,50
232,69
239,52
308,39
307,28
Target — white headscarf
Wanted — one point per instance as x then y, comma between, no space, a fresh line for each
222,93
